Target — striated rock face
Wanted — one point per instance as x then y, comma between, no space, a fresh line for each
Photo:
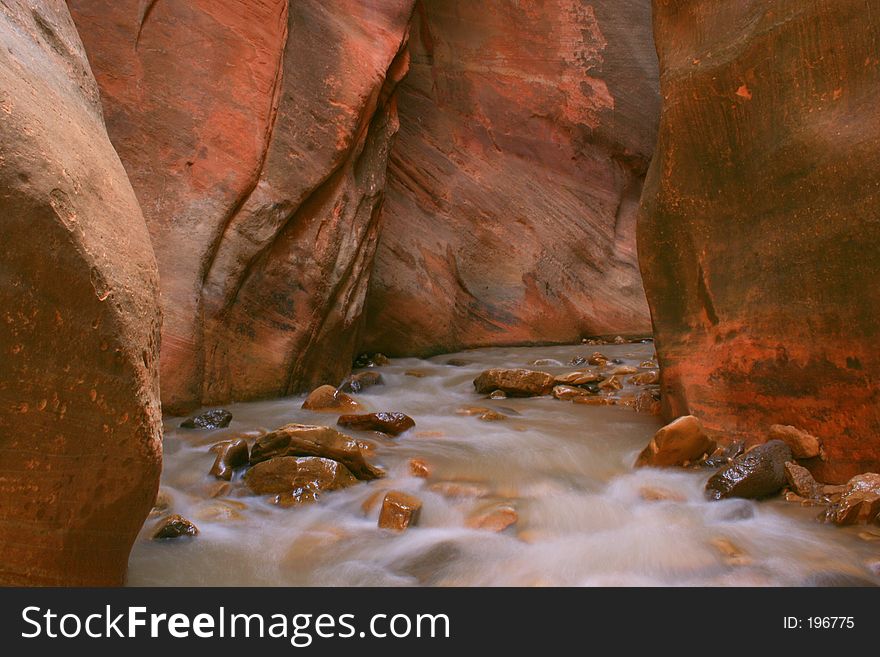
256,135
80,425
513,186
758,228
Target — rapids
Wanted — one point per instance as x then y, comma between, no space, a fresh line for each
566,468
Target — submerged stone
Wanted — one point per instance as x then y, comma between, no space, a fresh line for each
392,424
175,526
214,419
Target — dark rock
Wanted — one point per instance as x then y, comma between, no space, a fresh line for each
370,360
391,423
724,455
361,381
175,526
458,362
215,419
231,454
310,440
758,473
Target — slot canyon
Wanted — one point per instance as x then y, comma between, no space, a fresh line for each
508,244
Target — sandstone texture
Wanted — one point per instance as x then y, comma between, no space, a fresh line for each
513,186
256,135
758,226
80,424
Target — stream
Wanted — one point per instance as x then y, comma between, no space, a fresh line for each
582,517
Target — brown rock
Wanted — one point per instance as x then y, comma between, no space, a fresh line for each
648,401
515,383
568,393
860,501
758,473
80,422
599,359
595,401
801,481
645,378
329,399
309,440
679,442
393,424
297,480
492,416
175,526
399,511
458,362
498,394
802,444
623,370
724,454
494,519
579,378
361,381
231,454
611,383
648,365
759,321
419,468
419,374
471,410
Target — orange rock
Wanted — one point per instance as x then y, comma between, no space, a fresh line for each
579,377
732,554
860,502
298,479
611,383
419,468
494,519
595,401
471,410
802,444
399,511
801,481
678,443
598,359
327,398
645,378
429,434
492,416
392,424
623,370
567,393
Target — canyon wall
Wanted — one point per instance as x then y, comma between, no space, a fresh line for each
759,225
513,185
80,424
256,135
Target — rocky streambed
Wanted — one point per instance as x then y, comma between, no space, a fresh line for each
492,488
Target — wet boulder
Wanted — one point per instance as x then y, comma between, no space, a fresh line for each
298,480
724,455
175,526
392,424
329,399
579,378
801,481
760,472
231,454
567,393
515,383
399,511
860,501
311,440
217,418
361,381
649,378
680,442
802,444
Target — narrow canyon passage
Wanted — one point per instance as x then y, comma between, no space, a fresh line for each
555,478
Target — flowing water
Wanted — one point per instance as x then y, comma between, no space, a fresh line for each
564,467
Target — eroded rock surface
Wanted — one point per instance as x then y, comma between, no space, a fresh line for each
80,425
758,230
